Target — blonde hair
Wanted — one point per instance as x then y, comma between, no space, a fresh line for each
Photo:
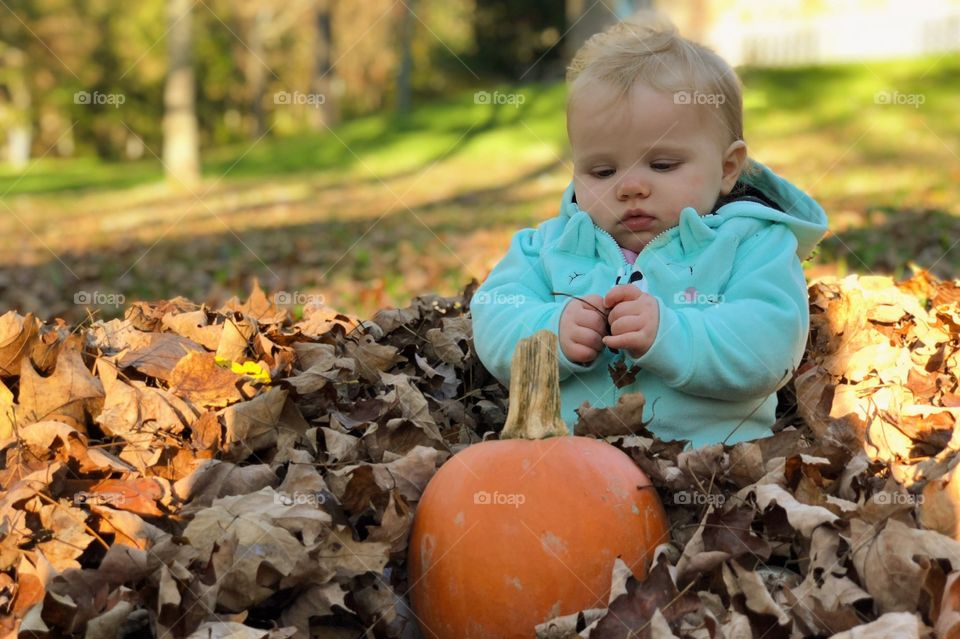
647,48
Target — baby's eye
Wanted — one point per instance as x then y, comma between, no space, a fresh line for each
603,173
663,166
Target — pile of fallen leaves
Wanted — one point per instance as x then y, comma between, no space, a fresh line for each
189,472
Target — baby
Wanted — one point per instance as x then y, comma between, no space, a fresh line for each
672,249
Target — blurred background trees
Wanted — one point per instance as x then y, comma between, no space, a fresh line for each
65,65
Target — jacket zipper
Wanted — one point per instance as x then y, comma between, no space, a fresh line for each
623,259
618,391
662,233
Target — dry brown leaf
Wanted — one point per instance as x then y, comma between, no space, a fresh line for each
316,600
235,339
195,326
751,585
268,531
884,558
234,630
69,395
138,495
802,517
939,509
319,320
71,538
257,307
252,425
902,625
214,478
158,355
623,419
198,379
142,415
18,334
408,474
372,358
8,412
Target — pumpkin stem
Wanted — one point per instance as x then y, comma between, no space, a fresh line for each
534,411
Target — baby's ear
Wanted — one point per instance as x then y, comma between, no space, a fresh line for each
734,161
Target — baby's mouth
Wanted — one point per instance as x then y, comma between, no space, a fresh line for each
638,221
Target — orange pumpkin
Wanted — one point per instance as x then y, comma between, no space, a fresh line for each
511,533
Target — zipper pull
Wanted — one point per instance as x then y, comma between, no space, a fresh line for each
622,275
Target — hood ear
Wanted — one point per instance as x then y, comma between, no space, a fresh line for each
734,161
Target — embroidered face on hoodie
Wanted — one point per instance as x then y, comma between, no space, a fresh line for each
641,159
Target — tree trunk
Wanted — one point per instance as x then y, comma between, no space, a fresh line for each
324,83
180,145
20,131
585,18
406,58
256,70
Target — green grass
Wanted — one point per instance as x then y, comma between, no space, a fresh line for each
387,207
382,144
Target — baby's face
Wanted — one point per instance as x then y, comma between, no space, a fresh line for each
638,161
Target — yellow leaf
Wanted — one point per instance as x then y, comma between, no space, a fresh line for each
252,370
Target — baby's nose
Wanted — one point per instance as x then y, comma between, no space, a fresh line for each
631,186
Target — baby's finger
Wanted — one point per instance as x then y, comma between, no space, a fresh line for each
587,337
614,342
594,299
627,324
629,308
595,322
621,293
581,354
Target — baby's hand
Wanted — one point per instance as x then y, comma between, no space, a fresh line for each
582,328
634,319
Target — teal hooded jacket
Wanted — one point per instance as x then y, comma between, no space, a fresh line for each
733,305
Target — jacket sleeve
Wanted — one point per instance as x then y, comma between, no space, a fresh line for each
747,345
514,302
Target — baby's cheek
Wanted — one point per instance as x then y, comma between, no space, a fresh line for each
585,196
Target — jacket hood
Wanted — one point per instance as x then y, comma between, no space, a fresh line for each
799,212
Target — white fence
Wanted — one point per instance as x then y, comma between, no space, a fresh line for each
837,38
